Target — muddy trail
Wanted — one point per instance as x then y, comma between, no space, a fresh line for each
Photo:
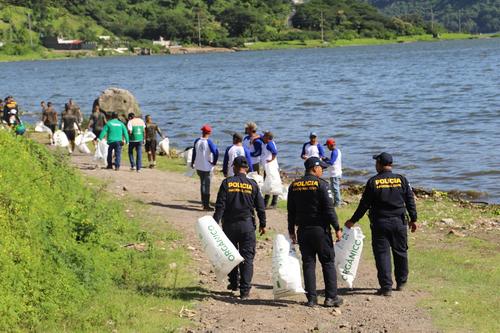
175,198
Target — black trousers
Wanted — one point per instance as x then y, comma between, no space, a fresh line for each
390,235
245,242
317,241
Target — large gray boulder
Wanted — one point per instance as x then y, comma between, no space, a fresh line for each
118,100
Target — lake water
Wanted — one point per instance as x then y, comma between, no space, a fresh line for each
434,106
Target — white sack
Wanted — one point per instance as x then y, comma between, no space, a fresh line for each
41,128
165,146
83,148
272,182
287,278
348,253
87,136
258,178
188,157
284,193
101,151
218,248
60,139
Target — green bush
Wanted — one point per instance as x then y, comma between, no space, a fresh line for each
61,243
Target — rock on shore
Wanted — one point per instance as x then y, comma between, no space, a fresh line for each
118,100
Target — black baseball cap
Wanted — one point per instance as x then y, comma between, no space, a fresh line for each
240,162
383,158
311,162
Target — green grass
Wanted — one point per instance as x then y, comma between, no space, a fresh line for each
63,264
460,276
296,44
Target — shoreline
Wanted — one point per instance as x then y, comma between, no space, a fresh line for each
255,46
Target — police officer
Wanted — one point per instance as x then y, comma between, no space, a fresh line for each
388,195
310,207
237,200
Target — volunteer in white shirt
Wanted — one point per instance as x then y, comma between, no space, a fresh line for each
312,148
334,170
205,155
233,151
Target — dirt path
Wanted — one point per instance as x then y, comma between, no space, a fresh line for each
175,198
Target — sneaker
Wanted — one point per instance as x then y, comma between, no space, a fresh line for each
384,292
401,286
333,302
232,287
132,168
109,167
271,207
312,302
244,295
139,171
208,209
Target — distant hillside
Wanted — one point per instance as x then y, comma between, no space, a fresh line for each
225,23
475,16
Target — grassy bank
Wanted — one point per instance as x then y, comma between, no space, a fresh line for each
297,44
458,272
64,263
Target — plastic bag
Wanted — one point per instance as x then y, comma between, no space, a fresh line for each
258,178
83,148
165,146
101,151
348,253
60,139
272,182
41,128
220,251
188,157
87,136
287,278
284,193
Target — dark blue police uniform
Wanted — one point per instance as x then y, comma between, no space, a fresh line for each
388,196
237,200
310,207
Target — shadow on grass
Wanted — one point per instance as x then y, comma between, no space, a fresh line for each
177,207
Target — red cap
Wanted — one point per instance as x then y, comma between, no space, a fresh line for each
206,128
330,141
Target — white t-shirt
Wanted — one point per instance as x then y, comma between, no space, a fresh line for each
204,157
232,153
336,169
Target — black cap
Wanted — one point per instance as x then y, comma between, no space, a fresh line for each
311,162
383,158
240,162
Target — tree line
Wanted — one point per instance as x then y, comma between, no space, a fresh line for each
209,22
471,16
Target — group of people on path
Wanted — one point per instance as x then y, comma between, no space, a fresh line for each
10,115
135,132
311,210
259,150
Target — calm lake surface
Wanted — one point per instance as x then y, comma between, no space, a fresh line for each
434,106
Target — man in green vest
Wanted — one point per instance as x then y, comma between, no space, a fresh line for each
117,135
136,128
